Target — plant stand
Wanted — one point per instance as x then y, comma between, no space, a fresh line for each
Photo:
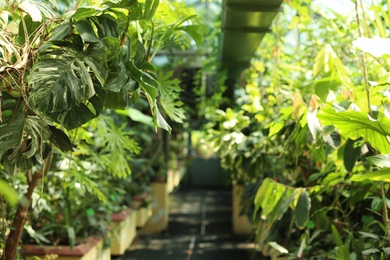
91,249
159,220
241,224
123,231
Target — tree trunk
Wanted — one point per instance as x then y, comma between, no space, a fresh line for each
20,218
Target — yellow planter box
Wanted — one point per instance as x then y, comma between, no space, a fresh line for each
159,220
241,224
92,249
123,231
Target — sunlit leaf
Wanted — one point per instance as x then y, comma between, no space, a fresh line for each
380,175
355,124
8,193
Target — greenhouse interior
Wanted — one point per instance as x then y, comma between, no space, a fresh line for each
194,129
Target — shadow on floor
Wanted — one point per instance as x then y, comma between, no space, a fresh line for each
199,228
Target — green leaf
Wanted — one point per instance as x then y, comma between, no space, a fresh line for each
64,77
136,116
8,193
336,236
160,120
145,80
376,204
351,155
86,31
85,12
61,31
381,160
275,128
380,175
261,194
150,8
170,97
302,209
282,206
343,253
194,32
275,192
355,124
11,129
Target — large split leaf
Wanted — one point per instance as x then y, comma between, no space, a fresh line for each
11,129
170,98
64,75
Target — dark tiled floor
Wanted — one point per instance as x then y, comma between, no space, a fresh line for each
199,228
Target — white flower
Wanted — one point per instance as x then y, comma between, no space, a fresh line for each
375,46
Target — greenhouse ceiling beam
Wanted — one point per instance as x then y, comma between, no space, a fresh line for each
244,24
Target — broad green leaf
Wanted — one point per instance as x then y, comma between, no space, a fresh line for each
61,31
261,194
86,31
145,80
302,209
170,97
282,206
380,175
355,124
81,113
194,32
85,12
8,193
275,128
381,160
11,129
275,193
351,155
150,8
63,77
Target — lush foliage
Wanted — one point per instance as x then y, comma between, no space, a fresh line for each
64,64
311,132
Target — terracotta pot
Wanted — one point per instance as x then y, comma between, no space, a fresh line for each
91,249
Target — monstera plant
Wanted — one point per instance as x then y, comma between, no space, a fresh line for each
59,70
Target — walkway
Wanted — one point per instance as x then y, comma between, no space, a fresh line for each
199,229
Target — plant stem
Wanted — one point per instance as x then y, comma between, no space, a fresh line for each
20,218
385,215
364,61
3,229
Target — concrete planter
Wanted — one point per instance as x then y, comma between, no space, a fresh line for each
159,220
142,213
241,224
123,231
91,249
